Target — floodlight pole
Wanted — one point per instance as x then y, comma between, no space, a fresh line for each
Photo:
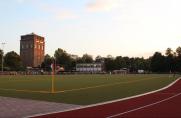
2,60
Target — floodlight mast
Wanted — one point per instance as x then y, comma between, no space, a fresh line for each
2,60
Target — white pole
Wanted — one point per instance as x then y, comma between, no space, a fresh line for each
2,57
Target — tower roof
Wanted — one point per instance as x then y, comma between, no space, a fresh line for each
31,34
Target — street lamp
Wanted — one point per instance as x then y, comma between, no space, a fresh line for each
2,57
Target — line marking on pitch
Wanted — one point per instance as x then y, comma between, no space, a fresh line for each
28,91
78,89
11,81
103,85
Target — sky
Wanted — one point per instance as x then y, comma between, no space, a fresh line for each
134,28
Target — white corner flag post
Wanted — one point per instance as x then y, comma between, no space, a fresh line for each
53,77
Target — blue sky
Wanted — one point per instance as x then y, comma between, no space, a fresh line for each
97,27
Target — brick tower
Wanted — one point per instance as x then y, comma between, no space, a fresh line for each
32,50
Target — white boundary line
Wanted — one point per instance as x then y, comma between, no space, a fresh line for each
108,102
142,107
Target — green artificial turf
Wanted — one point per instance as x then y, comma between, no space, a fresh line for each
82,89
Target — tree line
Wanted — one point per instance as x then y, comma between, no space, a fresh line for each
158,62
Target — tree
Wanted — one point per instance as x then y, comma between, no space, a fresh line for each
157,62
178,60
178,51
87,58
109,63
140,64
74,59
169,60
79,60
13,61
120,62
169,52
127,61
147,64
47,62
99,59
63,58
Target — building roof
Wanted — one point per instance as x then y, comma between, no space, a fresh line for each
31,34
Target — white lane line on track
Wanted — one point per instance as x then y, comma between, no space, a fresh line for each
142,107
168,93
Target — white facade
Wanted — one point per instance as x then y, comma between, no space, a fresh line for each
93,67
141,71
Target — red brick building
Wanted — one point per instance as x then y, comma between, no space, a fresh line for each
32,50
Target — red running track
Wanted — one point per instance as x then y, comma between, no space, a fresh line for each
165,103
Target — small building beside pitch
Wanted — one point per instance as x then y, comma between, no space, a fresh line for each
121,71
89,67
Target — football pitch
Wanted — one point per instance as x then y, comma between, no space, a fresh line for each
81,89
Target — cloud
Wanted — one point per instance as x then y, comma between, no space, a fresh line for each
103,5
57,12
65,15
